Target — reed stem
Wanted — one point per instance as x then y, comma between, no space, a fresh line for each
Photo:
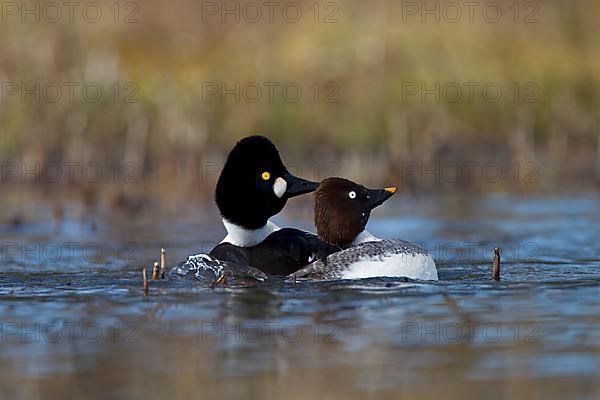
496,269
163,263
145,275
155,271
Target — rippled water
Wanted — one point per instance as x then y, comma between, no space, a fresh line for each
76,323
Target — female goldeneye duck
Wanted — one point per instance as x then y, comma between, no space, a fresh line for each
342,210
254,185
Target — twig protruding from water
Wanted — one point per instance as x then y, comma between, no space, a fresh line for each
163,263
221,280
496,269
145,275
155,271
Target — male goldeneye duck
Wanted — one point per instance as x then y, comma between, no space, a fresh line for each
342,210
254,185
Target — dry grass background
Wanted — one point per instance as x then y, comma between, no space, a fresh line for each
175,132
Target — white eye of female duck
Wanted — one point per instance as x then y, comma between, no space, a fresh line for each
352,194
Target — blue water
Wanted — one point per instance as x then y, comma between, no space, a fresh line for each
73,309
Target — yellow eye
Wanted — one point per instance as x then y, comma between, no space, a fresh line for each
266,176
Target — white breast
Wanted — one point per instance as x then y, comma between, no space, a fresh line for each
243,237
413,266
379,258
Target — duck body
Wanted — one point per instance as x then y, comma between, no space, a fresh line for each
282,252
391,258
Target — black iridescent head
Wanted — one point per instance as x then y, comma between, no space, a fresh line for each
342,209
255,185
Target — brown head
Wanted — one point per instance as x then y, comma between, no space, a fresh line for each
342,209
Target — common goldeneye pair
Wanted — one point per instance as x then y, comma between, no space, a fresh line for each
255,185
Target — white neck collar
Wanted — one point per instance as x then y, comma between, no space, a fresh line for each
363,237
244,237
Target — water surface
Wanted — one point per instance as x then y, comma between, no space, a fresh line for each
76,323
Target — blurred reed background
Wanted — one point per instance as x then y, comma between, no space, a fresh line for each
357,64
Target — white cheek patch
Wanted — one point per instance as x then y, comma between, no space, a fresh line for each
279,187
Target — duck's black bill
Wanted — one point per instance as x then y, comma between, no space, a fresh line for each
297,186
378,196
